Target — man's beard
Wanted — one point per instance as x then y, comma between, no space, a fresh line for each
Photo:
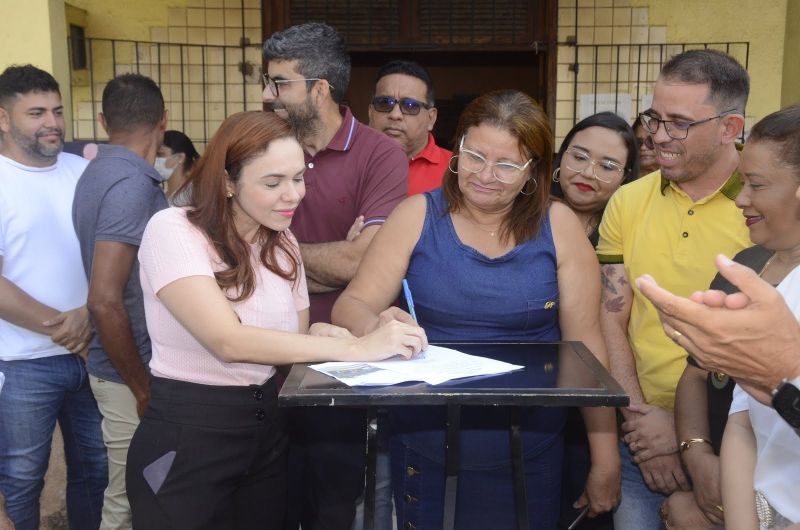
304,119
33,147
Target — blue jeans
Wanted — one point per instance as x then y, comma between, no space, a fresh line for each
485,496
36,394
640,505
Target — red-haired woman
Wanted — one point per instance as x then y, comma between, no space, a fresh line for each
226,300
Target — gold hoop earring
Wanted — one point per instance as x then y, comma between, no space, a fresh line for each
229,195
556,176
535,185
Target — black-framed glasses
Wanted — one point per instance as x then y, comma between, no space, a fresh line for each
273,83
504,172
676,129
603,170
408,106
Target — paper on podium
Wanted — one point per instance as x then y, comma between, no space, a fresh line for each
434,366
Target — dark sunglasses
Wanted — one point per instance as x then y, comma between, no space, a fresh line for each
408,106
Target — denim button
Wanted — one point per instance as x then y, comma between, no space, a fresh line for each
411,471
258,394
410,498
410,525
260,414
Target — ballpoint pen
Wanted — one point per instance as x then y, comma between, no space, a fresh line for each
578,519
409,299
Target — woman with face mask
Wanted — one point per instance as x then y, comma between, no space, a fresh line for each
174,161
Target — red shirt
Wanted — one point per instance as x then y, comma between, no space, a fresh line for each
361,172
425,171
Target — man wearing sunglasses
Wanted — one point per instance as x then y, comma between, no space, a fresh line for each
403,109
670,224
351,171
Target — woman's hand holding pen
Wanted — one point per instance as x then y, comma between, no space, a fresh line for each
391,338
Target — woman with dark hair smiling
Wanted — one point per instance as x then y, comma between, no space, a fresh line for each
489,257
598,155
226,301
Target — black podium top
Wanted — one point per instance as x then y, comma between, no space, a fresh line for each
555,374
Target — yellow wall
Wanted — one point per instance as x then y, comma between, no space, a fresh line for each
790,91
125,19
34,31
760,22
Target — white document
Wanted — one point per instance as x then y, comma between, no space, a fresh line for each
434,366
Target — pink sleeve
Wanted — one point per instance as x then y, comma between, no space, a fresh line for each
172,248
300,289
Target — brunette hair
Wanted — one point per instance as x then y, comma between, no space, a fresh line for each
180,143
132,101
319,50
523,118
781,128
728,82
22,79
240,138
612,122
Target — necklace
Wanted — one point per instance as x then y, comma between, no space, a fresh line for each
480,226
766,266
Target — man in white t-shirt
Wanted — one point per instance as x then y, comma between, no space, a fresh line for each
44,324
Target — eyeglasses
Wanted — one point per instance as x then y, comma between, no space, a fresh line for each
676,129
603,170
408,106
504,172
273,83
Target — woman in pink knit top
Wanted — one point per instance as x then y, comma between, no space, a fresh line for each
226,301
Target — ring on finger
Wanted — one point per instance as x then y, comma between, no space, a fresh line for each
676,335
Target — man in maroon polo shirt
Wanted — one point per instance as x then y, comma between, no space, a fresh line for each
403,109
351,171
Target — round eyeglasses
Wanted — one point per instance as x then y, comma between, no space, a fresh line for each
273,83
676,129
603,170
504,172
408,106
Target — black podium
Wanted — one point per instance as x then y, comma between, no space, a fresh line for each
554,374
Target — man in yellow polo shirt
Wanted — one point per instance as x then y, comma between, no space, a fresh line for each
670,225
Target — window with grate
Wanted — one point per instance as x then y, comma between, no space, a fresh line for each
361,22
432,23
500,22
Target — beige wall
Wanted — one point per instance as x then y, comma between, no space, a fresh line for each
790,89
655,26
194,79
760,22
34,31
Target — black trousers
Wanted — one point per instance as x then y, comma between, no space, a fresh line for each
327,459
208,457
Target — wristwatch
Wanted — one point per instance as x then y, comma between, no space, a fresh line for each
786,402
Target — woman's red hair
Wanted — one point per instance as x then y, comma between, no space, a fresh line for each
240,138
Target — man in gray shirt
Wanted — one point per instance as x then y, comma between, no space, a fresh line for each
115,197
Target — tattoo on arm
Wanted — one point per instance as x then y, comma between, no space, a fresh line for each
605,279
614,305
622,281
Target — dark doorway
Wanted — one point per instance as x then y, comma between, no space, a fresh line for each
469,46
458,78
